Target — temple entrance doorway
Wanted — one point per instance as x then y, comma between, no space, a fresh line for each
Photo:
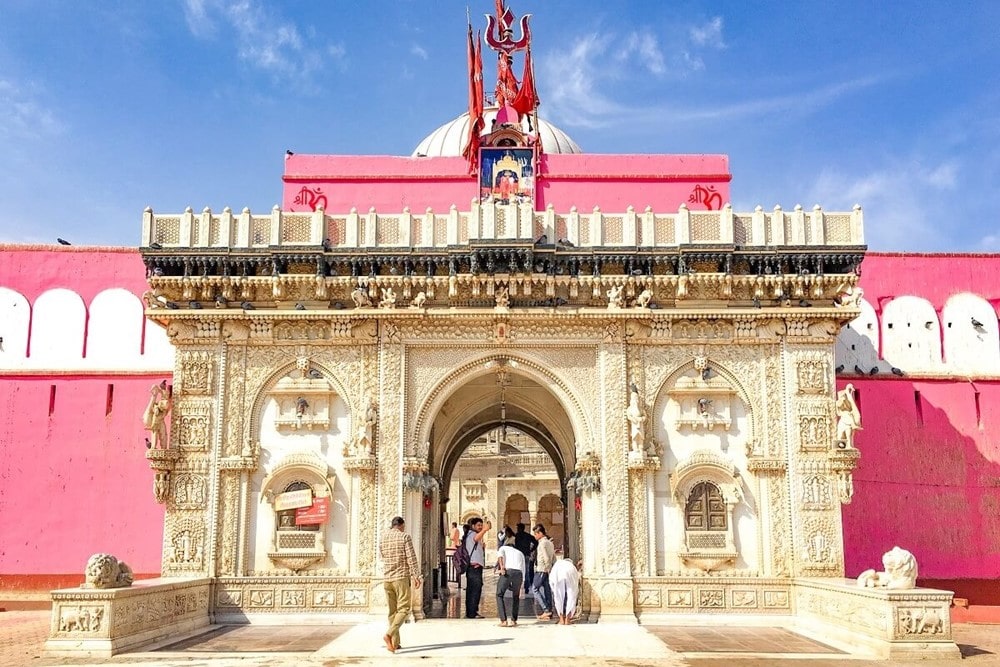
502,444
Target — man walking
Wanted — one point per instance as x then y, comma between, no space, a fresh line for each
546,555
510,564
473,543
400,567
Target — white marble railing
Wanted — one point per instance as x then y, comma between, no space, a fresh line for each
500,222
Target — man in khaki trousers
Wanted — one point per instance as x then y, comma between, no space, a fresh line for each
399,564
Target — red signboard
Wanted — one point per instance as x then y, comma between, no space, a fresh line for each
317,513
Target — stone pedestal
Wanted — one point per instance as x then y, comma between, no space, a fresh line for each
909,624
100,623
617,599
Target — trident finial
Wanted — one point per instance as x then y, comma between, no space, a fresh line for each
499,34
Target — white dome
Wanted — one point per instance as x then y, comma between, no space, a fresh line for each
449,139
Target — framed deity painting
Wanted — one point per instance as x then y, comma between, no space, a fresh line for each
507,175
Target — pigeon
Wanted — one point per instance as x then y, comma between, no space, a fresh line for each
149,444
300,306
756,302
542,240
896,371
976,323
315,374
706,373
566,242
804,303
559,301
194,304
633,387
840,368
171,305
155,246
338,305
246,305
221,301
63,242
859,370
288,154
327,245
636,272
157,271
873,371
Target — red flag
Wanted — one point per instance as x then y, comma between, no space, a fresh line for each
476,123
526,99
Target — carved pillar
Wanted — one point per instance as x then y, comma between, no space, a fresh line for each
362,505
389,443
614,584
641,491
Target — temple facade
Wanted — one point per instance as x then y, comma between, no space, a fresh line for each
369,348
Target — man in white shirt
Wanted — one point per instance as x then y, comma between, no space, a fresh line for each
510,564
565,581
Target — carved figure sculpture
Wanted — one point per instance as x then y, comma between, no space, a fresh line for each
848,296
106,571
80,619
637,423
503,298
848,417
615,297
388,298
155,415
366,432
900,572
645,296
360,298
418,300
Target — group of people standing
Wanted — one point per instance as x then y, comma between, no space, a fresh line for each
523,559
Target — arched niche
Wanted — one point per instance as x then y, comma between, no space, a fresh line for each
157,350
114,330
58,322
971,339
911,334
857,344
299,494
722,440
515,507
15,313
708,488
288,447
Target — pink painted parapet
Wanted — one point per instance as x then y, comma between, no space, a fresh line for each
338,183
73,475
929,476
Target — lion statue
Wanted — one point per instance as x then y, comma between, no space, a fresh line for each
106,571
900,571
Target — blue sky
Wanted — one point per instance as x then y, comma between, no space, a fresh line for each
107,107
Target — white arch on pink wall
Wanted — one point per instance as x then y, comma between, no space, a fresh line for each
158,351
857,344
114,333
911,334
15,317
57,329
971,337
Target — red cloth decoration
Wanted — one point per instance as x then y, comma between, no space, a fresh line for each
476,122
526,99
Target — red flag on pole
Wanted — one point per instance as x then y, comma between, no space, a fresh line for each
526,99
476,123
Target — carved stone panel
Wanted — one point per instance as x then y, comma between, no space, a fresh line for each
193,423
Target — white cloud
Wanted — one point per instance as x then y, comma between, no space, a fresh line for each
708,34
418,51
902,203
263,39
22,115
645,46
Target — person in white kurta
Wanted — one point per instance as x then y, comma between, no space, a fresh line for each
565,581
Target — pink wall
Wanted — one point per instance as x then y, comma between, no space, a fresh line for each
613,181
929,477
86,270
73,482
